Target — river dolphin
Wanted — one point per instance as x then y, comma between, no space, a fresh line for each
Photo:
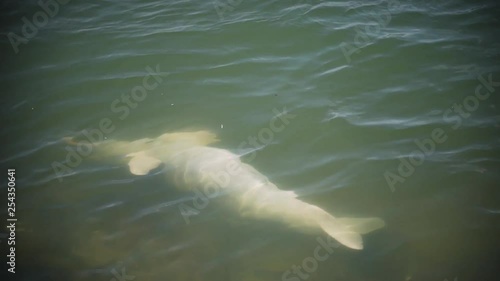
190,164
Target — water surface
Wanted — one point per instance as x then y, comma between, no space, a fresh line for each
366,81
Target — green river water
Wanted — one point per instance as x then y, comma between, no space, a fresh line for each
383,109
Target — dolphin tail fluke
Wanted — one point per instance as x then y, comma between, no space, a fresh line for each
362,225
348,231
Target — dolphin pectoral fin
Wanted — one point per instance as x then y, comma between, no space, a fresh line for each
141,163
206,137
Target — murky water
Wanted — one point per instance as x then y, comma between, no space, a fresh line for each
392,111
